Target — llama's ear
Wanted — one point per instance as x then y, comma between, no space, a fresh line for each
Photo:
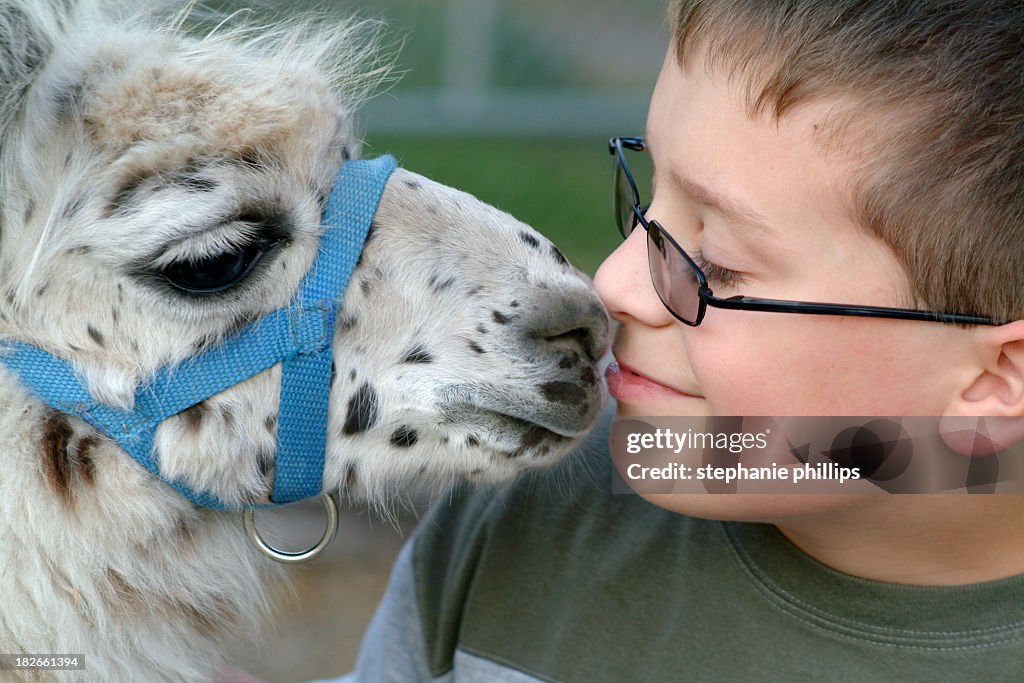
29,31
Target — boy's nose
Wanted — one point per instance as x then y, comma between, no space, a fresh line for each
624,284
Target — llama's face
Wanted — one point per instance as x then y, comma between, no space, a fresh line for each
161,196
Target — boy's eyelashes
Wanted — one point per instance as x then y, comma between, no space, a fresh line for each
716,273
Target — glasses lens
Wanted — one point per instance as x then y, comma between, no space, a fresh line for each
630,197
623,199
673,276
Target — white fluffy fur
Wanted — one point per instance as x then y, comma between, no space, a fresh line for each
128,143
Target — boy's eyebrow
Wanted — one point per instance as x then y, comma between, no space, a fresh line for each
729,208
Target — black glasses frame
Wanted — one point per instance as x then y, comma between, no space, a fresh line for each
616,147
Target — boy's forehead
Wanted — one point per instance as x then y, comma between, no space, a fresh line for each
853,127
808,237
708,144
837,125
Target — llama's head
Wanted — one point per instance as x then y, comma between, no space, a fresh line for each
159,192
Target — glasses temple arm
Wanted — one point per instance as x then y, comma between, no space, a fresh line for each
778,306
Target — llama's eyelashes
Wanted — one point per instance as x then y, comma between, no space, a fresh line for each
232,254
267,225
220,271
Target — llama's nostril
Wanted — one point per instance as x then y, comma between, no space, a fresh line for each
581,328
578,339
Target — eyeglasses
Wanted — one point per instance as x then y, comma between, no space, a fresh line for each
683,286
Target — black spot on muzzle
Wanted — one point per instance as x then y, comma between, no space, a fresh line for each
362,411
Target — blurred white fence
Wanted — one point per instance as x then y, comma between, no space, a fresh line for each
561,67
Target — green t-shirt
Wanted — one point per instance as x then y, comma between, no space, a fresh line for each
557,579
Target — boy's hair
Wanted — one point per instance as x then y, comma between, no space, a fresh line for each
936,87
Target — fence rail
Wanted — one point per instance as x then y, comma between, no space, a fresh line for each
553,112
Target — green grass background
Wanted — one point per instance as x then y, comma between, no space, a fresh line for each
560,187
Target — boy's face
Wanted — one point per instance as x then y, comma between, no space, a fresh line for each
806,246
797,240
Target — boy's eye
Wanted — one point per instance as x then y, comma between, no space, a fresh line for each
715,273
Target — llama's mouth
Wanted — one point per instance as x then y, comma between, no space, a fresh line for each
502,410
516,437
506,420
513,436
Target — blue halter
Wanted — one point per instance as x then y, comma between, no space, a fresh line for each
299,336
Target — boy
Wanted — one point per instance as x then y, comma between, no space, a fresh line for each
856,152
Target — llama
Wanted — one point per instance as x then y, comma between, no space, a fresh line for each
159,191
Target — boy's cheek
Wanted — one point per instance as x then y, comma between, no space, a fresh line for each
810,366
751,369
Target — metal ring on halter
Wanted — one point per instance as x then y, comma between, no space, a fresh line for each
330,507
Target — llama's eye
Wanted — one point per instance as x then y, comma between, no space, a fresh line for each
217,272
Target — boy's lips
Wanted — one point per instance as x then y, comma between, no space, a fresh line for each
627,384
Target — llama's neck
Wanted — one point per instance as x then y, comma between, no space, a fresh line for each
100,558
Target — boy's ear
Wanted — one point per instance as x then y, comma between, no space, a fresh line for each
988,414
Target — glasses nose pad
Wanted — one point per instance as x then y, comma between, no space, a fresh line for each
640,211
632,218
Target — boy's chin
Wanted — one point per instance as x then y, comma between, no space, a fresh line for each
767,508
681,407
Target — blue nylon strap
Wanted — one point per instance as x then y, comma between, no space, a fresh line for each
306,382
300,336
